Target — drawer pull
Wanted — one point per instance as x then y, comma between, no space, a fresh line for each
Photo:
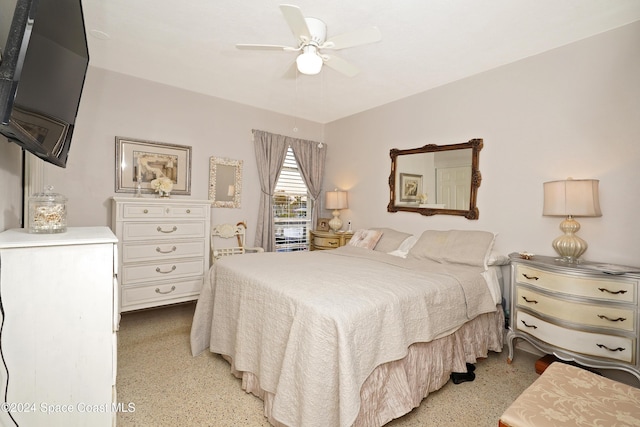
529,326
145,211
530,277
619,319
529,300
170,231
165,272
188,210
158,291
611,349
333,243
612,292
173,249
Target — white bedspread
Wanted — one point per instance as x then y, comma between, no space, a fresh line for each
312,326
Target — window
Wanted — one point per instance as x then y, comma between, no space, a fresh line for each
291,208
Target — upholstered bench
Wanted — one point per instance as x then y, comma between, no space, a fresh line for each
565,395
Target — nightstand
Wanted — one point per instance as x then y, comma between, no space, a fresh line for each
576,312
322,240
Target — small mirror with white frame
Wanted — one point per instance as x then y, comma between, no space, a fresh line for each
225,182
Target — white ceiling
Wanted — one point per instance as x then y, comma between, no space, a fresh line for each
425,43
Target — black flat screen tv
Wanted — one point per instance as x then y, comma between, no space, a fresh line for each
42,71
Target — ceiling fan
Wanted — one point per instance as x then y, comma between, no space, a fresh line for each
311,35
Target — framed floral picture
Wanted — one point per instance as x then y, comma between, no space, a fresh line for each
140,162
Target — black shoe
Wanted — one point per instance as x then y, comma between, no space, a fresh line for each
459,377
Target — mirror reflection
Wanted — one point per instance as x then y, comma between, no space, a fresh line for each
436,179
225,182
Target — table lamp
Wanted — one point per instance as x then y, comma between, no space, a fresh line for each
571,198
336,200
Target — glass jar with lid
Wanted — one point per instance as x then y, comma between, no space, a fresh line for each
47,212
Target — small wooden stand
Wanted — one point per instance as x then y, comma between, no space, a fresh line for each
544,362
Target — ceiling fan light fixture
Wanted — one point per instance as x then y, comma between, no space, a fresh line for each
309,62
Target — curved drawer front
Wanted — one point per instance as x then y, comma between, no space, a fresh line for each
162,230
612,290
161,271
586,314
327,242
160,251
136,295
600,345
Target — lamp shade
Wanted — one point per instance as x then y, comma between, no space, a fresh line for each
574,197
336,200
309,62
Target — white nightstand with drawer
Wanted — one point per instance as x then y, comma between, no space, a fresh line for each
163,249
576,312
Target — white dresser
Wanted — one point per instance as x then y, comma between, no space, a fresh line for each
576,312
59,342
164,249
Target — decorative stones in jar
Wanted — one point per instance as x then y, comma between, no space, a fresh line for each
47,212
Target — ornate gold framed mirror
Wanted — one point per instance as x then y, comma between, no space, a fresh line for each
436,179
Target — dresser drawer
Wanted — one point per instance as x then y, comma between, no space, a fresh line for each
158,292
603,289
327,242
142,211
159,211
138,273
186,211
592,344
622,318
162,230
163,250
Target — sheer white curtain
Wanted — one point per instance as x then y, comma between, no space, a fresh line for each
271,149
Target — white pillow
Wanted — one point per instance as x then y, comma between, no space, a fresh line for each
408,243
405,247
496,258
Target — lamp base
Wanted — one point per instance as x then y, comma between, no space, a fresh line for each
336,223
569,246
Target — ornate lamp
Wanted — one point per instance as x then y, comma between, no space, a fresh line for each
571,198
336,200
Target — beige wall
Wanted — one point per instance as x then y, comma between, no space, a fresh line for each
573,111
117,105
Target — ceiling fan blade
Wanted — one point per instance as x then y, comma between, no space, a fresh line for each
354,38
265,47
295,19
340,65
291,72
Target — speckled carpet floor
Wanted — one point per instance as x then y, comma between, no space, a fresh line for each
169,387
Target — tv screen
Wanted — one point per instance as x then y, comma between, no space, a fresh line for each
44,63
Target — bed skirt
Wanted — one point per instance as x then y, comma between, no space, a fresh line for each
395,388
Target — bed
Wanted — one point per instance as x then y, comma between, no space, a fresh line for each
358,335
